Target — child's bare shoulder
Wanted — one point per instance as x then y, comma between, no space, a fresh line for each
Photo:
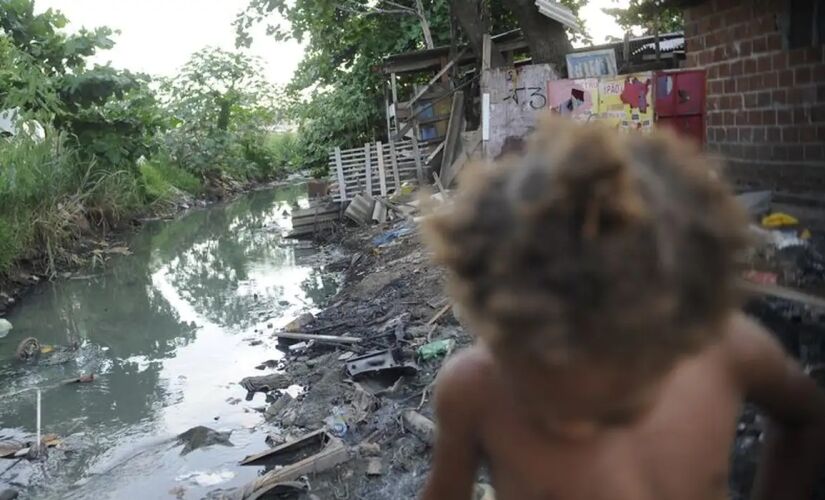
753,354
465,379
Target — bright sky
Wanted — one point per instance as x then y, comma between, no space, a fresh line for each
158,36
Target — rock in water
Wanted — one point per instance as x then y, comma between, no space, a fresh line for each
200,436
5,326
8,494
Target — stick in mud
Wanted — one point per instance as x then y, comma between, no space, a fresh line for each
332,339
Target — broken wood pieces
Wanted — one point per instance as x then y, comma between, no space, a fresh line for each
421,426
439,314
310,454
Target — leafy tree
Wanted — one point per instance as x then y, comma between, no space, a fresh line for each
336,95
39,35
648,15
111,114
222,108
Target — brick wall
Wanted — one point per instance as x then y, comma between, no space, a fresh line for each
766,103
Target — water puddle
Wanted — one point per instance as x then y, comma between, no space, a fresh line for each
168,332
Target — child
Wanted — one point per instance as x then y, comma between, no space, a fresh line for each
600,275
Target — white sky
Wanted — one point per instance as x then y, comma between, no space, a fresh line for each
158,36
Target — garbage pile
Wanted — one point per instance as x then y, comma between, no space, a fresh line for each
363,425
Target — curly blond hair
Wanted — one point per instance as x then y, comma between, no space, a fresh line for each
593,244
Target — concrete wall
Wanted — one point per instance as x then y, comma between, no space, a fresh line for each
766,101
517,97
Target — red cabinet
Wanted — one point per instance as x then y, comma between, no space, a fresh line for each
680,102
687,126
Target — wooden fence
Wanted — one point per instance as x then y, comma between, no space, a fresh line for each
376,168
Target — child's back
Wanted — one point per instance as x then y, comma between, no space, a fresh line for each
600,275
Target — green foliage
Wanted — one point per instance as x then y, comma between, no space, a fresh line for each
39,35
162,181
284,148
222,107
100,122
345,43
647,15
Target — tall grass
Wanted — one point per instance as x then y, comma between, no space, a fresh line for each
49,197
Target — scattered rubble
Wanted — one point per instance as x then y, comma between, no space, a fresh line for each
368,361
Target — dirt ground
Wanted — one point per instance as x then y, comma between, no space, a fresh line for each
389,298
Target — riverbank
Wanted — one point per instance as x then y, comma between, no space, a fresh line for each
89,242
167,332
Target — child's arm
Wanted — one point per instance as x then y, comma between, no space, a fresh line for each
793,456
456,455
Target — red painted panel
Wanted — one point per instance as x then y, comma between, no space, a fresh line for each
687,126
680,93
690,93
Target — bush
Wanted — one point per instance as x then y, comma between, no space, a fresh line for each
285,151
161,181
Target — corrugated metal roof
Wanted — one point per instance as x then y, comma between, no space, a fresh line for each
559,13
667,45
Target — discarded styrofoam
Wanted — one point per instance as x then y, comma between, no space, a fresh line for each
5,327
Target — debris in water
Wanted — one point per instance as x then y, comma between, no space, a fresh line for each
310,454
264,383
28,348
5,326
200,436
82,379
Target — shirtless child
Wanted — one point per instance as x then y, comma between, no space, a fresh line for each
599,275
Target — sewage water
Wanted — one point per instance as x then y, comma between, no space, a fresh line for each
168,332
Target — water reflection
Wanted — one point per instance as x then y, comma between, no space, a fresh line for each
165,329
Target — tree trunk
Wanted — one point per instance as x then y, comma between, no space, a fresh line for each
425,25
546,38
474,25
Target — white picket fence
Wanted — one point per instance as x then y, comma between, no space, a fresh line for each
375,168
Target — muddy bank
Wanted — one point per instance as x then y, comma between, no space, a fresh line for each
393,299
95,243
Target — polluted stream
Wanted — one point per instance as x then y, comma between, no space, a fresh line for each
168,332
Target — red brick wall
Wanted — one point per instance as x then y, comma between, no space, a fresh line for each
765,103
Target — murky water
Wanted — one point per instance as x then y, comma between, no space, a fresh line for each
167,331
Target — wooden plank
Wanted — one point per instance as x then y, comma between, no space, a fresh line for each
486,51
454,129
327,339
434,79
368,167
417,157
393,157
382,174
342,187
435,152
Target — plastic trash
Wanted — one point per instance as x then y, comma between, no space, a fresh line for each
387,237
5,327
436,349
779,219
336,424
